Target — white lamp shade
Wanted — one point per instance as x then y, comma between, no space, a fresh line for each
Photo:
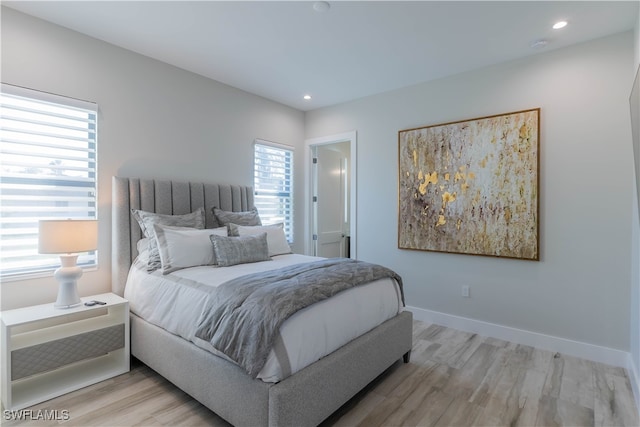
67,236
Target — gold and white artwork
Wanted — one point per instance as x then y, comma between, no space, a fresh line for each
471,187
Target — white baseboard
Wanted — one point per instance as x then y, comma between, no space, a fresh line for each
634,378
546,342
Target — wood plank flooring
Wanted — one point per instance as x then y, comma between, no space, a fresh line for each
454,379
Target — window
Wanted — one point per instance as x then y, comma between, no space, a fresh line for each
48,171
273,184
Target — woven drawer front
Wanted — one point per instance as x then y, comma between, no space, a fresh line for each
51,355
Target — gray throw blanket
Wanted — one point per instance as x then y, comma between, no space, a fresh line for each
243,316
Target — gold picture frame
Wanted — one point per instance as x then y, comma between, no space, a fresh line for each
471,187
634,108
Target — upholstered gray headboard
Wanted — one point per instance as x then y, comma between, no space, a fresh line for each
165,197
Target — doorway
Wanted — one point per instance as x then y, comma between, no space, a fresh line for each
332,196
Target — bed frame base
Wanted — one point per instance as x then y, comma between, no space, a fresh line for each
304,399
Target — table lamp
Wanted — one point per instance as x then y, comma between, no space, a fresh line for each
67,237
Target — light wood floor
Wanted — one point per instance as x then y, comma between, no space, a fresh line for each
454,379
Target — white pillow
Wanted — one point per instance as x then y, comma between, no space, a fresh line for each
147,220
143,250
183,247
276,238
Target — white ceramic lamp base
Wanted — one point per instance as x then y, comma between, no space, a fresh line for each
67,277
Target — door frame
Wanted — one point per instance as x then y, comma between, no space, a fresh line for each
350,137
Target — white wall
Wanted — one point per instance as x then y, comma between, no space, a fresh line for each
580,289
155,120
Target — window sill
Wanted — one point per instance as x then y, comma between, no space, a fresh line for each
39,275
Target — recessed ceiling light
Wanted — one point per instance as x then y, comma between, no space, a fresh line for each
559,24
307,97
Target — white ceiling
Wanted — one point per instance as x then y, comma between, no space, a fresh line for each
283,50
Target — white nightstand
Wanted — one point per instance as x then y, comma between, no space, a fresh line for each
47,351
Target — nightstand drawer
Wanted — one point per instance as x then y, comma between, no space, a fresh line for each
55,354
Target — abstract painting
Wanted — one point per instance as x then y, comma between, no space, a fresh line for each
471,187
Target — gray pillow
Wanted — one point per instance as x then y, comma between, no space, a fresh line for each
276,238
250,217
147,220
240,250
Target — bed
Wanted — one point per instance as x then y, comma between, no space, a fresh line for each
303,398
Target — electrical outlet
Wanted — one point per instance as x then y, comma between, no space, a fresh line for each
465,291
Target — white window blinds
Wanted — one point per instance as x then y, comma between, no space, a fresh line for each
48,171
273,184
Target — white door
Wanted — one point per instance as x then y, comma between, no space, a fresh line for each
330,202
342,193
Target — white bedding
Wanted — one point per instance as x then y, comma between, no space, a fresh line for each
175,302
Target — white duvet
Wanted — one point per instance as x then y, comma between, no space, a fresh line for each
175,302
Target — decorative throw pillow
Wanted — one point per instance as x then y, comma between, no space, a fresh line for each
147,220
276,239
250,217
182,247
240,250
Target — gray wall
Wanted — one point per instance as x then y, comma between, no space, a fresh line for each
580,289
155,120
635,257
